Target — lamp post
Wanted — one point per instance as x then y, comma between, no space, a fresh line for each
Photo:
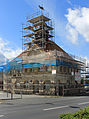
7,81
1,77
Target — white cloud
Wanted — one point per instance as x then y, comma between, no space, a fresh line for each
72,34
2,58
10,53
78,20
87,61
2,44
7,51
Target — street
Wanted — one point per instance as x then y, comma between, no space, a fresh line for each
41,107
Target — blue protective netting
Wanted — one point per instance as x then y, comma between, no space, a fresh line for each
17,64
68,64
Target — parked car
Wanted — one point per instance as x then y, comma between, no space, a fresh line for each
86,87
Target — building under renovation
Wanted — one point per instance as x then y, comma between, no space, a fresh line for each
43,67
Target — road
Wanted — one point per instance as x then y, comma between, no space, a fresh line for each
40,107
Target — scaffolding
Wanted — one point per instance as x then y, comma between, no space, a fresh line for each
38,30
37,33
39,50
50,58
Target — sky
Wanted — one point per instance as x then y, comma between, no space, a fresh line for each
71,18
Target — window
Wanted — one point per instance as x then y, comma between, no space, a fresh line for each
48,68
32,70
18,71
60,68
40,69
25,70
10,72
68,70
64,69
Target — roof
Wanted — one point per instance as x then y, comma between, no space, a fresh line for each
51,46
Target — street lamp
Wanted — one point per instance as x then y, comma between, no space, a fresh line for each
1,77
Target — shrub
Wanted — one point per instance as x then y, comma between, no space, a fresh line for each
81,114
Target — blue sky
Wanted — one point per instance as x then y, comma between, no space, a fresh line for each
71,24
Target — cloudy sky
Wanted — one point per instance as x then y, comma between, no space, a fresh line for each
71,24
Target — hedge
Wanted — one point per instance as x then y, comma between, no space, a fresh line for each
81,114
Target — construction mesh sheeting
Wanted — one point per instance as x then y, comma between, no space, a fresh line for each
44,56
39,59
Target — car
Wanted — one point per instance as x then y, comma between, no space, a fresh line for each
86,87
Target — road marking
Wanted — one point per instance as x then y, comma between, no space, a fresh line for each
56,108
83,103
1,115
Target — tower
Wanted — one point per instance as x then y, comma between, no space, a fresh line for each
39,30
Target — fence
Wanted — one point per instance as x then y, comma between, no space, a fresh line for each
19,89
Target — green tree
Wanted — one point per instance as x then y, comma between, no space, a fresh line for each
82,81
87,81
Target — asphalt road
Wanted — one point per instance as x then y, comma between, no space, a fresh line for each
36,107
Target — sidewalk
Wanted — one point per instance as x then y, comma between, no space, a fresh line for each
3,96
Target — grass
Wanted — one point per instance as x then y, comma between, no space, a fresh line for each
81,114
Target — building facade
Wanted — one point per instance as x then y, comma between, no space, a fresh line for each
43,67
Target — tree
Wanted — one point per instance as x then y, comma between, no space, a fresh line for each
82,81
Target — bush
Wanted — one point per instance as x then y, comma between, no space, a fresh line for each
81,114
